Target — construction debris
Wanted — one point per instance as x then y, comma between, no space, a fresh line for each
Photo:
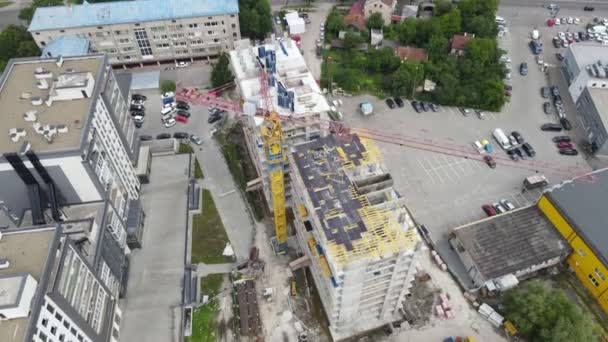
249,313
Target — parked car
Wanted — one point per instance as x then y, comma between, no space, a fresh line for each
417,106
568,152
561,138
181,64
465,111
425,106
390,103
555,90
481,115
499,208
551,127
523,69
518,137
547,108
163,136
565,123
507,204
565,144
137,113
181,135
145,137
169,94
488,209
490,161
196,139
528,149
169,122
138,108
434,107
536,47
139,97
183,113
182,105
214,118
138,102
398,101
181,119
512,140
545,92
518,152
588,8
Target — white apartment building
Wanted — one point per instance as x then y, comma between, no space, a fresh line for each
53,293
143,31
356,232
69,141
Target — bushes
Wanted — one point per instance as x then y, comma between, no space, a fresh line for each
167,86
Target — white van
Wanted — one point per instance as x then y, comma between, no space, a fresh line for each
500,20
501,139
597,29
167,111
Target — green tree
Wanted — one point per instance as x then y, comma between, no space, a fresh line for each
544,314
407,77
347,78
375,21
407,31
27,13
437,47
255,18
442,7
167,86
221,73
15,42
334,23
352,40
450,23
482,26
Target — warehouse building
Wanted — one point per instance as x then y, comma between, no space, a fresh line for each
356,232
50,292
579,212
292,91
141,32
513,245
586,69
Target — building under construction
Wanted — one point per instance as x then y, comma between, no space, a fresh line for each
356,231
274,77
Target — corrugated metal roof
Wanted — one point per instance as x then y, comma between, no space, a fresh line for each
66,46
584,203
108,13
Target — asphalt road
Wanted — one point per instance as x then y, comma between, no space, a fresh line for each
9,17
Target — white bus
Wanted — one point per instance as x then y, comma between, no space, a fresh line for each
501,139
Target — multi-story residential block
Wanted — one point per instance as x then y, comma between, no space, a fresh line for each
143,31
50,292
67,153
356,232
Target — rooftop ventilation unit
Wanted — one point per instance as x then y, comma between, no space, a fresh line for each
30,116
42,84
42,73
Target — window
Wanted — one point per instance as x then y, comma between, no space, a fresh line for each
233,25
100,27
73,331
232,16
45,322
142,41
137,24
80,338
581,252
43,43
62,31
193,25
593,280
58,316
37,33
61,337
66,324
42,336
54,330
600,274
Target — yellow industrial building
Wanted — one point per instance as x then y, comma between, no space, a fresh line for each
579,211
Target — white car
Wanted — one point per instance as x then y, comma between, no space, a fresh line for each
605,21
505,59
577,21
539,60
195,139
561,35
138,118
507,204
169,122
167,94
501,34
557,22
182,64
138,102
481,115
508,66
570,20
508,76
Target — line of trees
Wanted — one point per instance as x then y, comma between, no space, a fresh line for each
15,42
255,18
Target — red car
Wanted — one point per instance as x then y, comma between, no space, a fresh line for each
488,209
564,144
181,119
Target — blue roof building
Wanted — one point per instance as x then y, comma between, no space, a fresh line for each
123,12
66,46
139,32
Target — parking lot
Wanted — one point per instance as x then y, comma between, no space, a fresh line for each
438,170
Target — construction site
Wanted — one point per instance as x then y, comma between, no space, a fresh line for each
342,257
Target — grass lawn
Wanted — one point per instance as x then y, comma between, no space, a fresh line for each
367,82
203,323
208,234
198,172
210,285
184,148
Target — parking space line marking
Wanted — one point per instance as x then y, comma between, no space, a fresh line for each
425,171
